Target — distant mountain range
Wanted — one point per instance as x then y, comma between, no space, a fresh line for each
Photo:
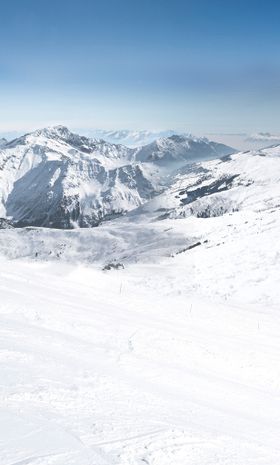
55,178
130,138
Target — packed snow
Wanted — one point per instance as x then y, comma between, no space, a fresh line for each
127,367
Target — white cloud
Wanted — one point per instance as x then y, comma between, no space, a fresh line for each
264,137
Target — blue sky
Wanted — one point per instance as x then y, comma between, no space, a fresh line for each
200,66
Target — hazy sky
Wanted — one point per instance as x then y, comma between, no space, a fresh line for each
199,66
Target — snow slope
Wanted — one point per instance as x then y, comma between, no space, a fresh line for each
103,368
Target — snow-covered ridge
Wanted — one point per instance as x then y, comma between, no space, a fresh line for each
243,181
52,136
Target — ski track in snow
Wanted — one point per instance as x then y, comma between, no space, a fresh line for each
101,368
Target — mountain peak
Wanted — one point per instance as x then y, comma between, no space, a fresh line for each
58,131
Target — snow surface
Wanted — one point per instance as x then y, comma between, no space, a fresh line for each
118,368
171,360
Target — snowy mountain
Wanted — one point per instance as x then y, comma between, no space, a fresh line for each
55,178
181,149
3,142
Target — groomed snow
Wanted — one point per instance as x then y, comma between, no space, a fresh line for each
99,368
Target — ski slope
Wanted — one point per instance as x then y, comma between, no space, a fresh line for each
121,368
